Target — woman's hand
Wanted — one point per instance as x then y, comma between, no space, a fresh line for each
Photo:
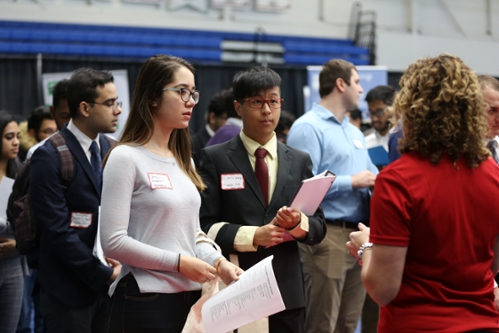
227,271
357,238
7,247
496,298
196,270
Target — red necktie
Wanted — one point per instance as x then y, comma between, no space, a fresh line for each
262,173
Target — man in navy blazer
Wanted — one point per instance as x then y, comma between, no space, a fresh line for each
73,282
247,215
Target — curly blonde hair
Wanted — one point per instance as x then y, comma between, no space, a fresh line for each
442,111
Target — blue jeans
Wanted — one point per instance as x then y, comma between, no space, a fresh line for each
136,312
30,307
11,293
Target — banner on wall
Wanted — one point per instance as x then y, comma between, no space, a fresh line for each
120,80
370,77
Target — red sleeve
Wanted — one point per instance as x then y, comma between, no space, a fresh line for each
391,207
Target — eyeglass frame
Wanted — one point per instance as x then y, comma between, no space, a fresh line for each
47,131
192,93
115,104
265,101
378,113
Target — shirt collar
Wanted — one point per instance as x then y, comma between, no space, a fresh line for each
251,145
379,136
209,130
487,140
235,122
84,140
328,115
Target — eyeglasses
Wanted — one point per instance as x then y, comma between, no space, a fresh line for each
115,105
186,94
377,113
48,131
258,103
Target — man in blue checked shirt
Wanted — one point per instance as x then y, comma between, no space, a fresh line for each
335,144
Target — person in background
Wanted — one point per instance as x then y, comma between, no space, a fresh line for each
216,117
39,126
59,111
250,220
150,207
286,120
12,266
233,125
355,117
335,293
393,143
59,108
31,300
74,283
432,251
490,88
379,99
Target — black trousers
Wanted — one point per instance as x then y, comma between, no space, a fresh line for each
288,321
62,319
136,312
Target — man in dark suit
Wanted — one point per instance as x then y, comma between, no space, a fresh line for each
74,282
246,214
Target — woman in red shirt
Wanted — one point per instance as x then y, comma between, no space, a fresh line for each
434,212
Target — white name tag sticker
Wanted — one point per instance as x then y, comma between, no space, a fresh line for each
81,220
232,181
159,180
358,144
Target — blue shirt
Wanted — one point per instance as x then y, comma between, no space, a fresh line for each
393,142
340,148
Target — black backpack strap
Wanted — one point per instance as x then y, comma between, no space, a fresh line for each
65,158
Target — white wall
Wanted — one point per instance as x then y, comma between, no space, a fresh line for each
407,29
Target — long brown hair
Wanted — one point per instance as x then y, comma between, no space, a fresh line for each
154,75
442,111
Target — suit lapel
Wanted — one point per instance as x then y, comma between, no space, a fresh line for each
80,156
283,169
239,156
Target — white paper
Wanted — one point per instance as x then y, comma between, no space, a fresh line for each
5,190
97,250
255,296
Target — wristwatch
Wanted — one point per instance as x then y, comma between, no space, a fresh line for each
361,250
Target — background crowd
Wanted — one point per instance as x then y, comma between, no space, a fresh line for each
129,230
